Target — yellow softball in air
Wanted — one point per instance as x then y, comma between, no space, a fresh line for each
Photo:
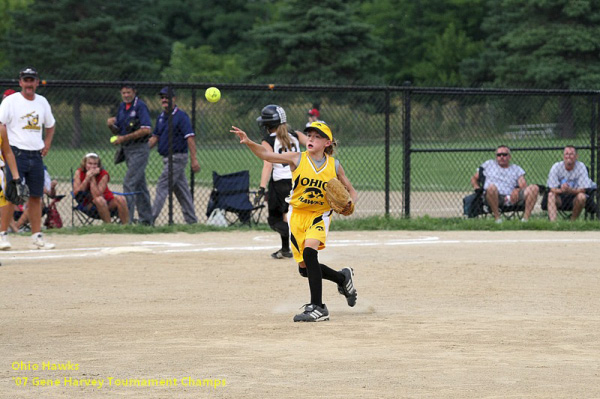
212,94
113,139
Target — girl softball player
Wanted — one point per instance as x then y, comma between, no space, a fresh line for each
310,213
6,209
278,176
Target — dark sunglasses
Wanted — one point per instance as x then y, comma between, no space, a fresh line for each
502,154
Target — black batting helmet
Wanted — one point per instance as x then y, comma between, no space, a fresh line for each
271,116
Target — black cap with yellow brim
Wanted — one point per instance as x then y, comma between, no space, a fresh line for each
320,128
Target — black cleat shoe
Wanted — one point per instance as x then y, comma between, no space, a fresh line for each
281,254
313,313
347,289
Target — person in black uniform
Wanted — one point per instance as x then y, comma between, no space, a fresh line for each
277,176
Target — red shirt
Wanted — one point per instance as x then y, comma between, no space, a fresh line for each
108,195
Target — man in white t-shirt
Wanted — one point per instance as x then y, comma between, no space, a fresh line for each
25,116
567,183
505,184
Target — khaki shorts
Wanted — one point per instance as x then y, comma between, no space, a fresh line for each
504,200
305,225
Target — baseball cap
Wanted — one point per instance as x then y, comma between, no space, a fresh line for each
313,112
28,72
320,128
8,92
165,91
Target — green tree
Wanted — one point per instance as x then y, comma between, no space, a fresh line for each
425,41
441,63
105,39
313,41
92,39
7,7
541,43
220,24
199,64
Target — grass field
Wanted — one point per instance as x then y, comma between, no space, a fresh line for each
364,164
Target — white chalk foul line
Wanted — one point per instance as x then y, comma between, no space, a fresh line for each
170,247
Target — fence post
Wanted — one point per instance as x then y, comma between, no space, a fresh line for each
192,175
407,144
593,123
595,142
387,152
170,160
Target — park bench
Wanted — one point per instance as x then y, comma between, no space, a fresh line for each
545,130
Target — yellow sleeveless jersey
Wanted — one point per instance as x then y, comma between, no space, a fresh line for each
308,189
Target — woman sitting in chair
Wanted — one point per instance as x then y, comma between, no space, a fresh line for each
90,187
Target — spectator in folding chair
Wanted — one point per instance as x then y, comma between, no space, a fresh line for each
90,188
505,185
569,186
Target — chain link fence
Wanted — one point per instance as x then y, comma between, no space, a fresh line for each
408,151
452,132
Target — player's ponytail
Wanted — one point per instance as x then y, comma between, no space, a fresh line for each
329,150
283,137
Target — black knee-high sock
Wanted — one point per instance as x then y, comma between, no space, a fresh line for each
327,273
332,275
285,236
281,227
315,277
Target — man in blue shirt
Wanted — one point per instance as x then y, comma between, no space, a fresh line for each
134,126
182,139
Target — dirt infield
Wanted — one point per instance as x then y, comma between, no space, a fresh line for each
439,314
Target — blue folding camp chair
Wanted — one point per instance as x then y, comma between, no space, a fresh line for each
231,193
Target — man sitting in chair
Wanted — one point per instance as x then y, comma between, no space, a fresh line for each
568,182
90,186
505,185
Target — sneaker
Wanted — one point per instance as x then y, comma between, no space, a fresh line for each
4,244
313,313
347,289
524,220
281,254
498,221
38,242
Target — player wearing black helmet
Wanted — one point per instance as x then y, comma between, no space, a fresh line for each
278,177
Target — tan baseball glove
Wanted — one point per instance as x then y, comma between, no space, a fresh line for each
338,197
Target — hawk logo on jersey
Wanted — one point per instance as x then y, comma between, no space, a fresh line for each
313,192
33,121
